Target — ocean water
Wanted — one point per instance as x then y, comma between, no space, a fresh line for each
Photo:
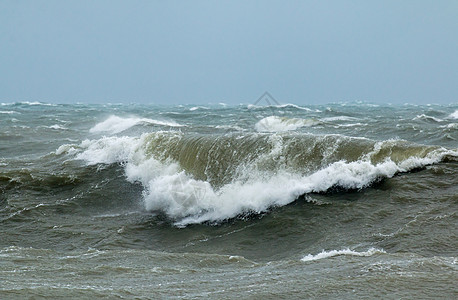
345,200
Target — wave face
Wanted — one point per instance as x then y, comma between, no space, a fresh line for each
195,178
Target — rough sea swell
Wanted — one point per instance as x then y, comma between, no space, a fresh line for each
339,201
194,178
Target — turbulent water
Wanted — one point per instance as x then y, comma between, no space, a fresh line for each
346,200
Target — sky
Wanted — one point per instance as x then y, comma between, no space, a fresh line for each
183,52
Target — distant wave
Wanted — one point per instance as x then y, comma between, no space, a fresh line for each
339,118
454,115
8,112
350,125
115,124
332,253
33,103
287,105
198,107
427,118
277,124
57,127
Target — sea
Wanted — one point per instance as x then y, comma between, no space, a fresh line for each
348,200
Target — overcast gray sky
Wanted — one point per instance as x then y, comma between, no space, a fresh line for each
305,52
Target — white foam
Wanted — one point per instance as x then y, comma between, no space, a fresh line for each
8,112
115,124
34,103
57,127
198,107
450,126
349,125
454,115
287,105
66,148
425,117
108,150
278,124
293,106
338,118
332,253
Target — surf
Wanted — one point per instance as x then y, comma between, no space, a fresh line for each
194,178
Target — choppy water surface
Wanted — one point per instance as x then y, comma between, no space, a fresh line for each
122,201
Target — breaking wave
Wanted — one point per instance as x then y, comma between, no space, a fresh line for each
196,178
454,115
427,118
332,253
115,124
277,124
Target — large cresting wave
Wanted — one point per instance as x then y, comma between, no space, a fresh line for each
195,178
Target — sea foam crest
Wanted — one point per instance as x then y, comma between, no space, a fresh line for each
277,124
427,118
332,253
187,200
339,118
287,105
454,115
115,124
8,112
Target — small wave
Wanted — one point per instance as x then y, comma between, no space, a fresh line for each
34,103
332,253
198,107
277,124
451,126
454,115
287,105
29,103
350,125
57,127
115,124
8,112
339,118
427,118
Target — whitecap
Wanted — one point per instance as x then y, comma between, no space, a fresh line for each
287,105
349,125
34,103
57,127
347,251
115,124
338,118
454,115
198,107
278,124
8,112
428,118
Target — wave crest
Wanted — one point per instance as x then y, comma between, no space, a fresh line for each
332,253
278,124
115,124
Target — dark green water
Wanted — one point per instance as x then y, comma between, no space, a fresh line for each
127,201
